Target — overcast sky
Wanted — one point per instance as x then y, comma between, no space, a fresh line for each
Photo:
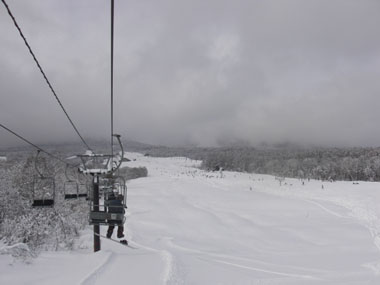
195,72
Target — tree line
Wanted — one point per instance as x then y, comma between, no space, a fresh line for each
320,163
349,164
38,229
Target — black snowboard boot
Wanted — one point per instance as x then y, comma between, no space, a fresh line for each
110,231
120,231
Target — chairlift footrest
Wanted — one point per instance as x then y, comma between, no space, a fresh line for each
71,196
43,203
99,218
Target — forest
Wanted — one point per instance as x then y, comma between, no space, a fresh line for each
356,164
32,229
347,164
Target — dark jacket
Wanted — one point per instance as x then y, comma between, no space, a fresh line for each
115,204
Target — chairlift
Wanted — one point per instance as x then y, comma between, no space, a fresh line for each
101,164
84,185
43,191
88,187
120,186
111,208
72,188
105,186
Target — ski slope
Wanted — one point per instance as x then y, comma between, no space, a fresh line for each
197,227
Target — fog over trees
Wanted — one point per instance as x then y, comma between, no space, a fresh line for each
325,164
350,164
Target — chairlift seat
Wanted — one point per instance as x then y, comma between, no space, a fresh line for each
43,191
43,203
71,189
104,218
71,196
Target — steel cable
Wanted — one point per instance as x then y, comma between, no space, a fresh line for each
44,75
36,146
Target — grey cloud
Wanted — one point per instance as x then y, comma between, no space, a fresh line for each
197,72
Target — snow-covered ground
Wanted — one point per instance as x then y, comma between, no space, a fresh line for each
196,227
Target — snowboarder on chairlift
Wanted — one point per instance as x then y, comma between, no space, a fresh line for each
115,206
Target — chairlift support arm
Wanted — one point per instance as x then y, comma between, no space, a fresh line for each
101,171
35,165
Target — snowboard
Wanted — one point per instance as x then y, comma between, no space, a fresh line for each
122,242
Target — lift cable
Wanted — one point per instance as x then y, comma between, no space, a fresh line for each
35,146
112,28
43,73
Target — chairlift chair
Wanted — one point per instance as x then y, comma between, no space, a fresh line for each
72,187
105,186
43,191
71,190
83,186
110,210
89,196
120,185
107,211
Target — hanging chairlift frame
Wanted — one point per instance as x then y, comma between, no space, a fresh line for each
44,183
72,183
111,211
121,184
101,160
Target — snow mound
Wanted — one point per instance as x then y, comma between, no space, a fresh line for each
18,250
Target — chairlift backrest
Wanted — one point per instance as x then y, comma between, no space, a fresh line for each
111,210
72,188
43,191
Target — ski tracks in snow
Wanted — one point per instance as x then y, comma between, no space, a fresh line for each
364,213
93,276
232,261
171,273
360,210
264,270
327,210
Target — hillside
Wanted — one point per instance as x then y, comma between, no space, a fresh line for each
191,226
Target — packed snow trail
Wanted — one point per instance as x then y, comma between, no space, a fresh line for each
198,227
265,232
